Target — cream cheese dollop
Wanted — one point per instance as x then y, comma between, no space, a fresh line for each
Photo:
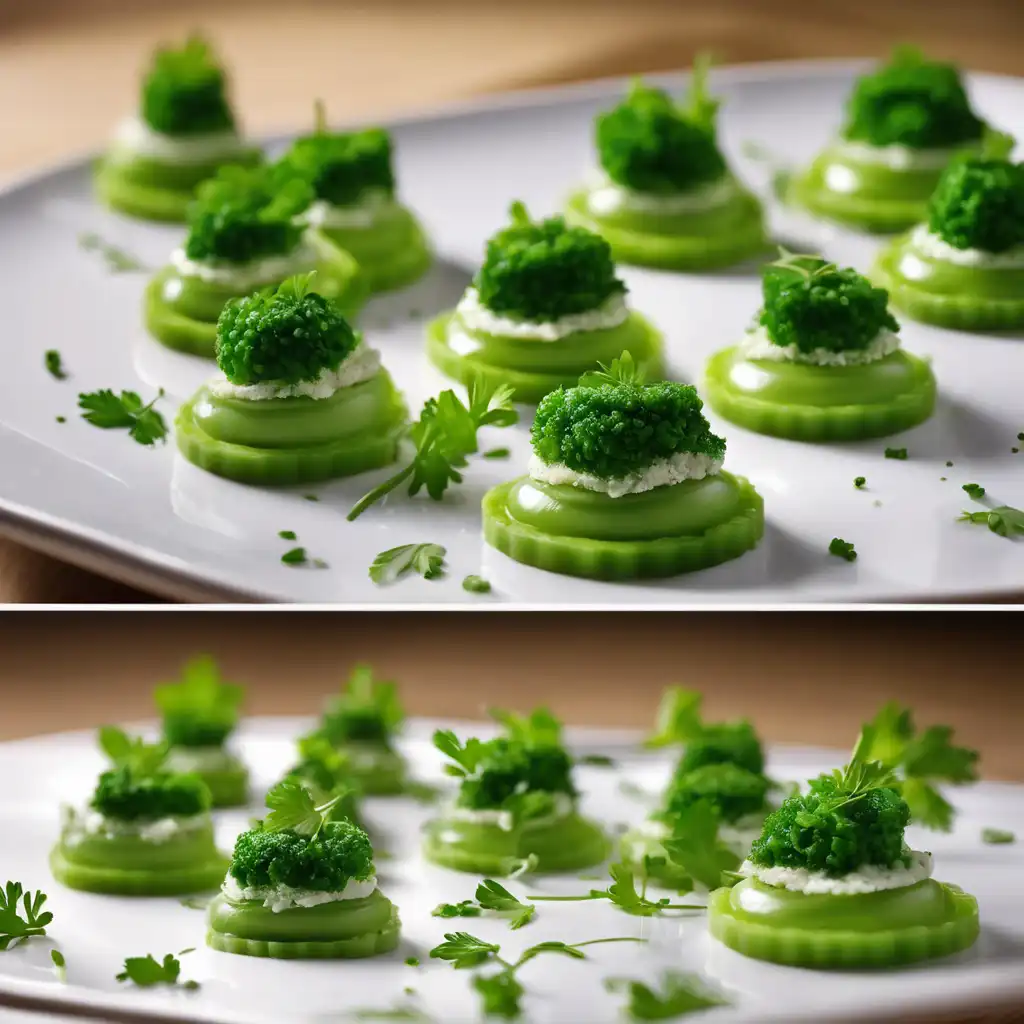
867,878
284,897
606,198
927,244
135,138
365,213
756,344
660,473
475,316
246,277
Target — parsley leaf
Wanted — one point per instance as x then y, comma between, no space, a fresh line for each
677,719
859,482
500,994
132,751
694,845
680,994
463,950
476,585
842,548
18,925
54,365
105,409
975,491
997,836
491,895
59,963
1003,520
425,559
146,971
901,453
467,908
445,436
466,757
497,453
293,807
620,371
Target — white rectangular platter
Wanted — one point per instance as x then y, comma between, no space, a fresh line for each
96,933
149,517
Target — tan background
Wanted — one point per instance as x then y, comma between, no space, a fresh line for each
68,70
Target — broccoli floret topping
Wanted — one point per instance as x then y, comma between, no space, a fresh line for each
130,795
837,827
813,304
727,743
546,270
979,204
287,334
184,92
246,213
650,144
200,710
911,102
508,769
731,790
340,167
340,852
366,711
613,430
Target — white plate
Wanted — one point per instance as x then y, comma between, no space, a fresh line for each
147,515
96,933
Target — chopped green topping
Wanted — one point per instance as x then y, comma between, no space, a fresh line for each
18,925
54,364
901,454
286,335
200,710
127,795
412,961
680,994
311,497
859,482
295,556
426,560
650,144
340,167
997,836
911,102
597,760
184,91
732,791
367,709
948,463
246,213
544,270
146,971
493,896
842,549
445,436
59,963
919,760
979,204
287,535
61,419
1004,520
467,908
476,585
109,411
975,491
813,304
497,453
848,818
614,430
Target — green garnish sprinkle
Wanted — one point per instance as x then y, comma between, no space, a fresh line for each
58,961
109,411
1004,520
426,560
54,365
859,482
287,534
118,260
412,961
497,453
296,556
975,491
146,971
476,585
843,549
997,836
901,453
680,994
62,419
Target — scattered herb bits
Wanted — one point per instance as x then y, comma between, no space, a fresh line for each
59,963
997,836
146,971
54,364
859,482
296,556
426,560
1003,520
497,453
678,995
901,453
109,411
287,534
975,491
842,549
476,585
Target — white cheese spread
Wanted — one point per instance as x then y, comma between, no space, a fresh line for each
197,759
79,825
364,213
931,246
756,344
360,365
475,316
895,157
135,138
245,277
660,473
564,805
283,897
867,878
605,198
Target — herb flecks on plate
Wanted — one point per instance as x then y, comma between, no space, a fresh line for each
146,971
109,411
426,560
843,549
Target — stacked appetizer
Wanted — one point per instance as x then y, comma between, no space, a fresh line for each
245,232
355,206
664,195
904,123
184,132
301,396
832,883
516,804
146,831
964,266
302,885
199,714
625,481
361,724
545,306
822,361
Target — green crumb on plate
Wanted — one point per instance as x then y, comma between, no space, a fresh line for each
901,453
974,491
287,534
497,453
997,836
297,556
842,549
859,482
476,585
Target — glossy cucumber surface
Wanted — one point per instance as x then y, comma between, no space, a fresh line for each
948,294
664,532
228,779
568,844
344,929
294,440
535,368
821,403
878,929
706,240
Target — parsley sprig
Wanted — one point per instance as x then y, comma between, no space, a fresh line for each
17,925
677,719
624,894
500,992
426,560
109,411
133,752
445,436
146,971
298,808
680,994
1004,520
620,371
492,896
695,847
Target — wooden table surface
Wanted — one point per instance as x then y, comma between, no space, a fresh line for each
69,70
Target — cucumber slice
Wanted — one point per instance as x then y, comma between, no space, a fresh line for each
821,403
379,770
227,780
715,520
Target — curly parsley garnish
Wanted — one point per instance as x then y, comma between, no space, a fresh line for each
17,925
